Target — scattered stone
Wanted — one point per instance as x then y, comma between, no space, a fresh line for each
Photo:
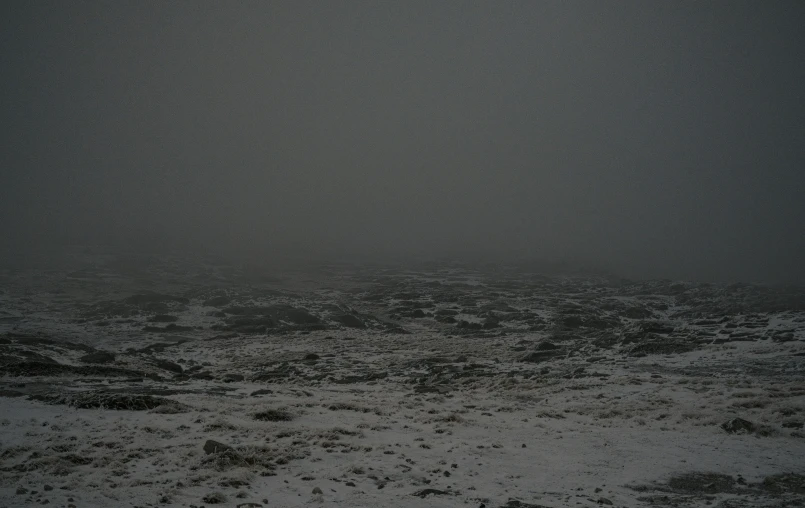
514,503
702,483
211,447
317,490
787,483
430,492
100,399
214,498
738,426
274,415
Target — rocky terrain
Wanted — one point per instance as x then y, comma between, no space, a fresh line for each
133,381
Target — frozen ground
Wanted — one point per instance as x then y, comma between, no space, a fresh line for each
146,382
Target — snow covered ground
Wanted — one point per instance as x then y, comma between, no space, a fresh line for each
133,382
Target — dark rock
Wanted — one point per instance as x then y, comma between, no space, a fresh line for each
702,483
490,323
371,376
603,500
169,366
600,324
159,347
431,389
738,426
163,318
98,357
417,313
786,483
19,355
249,324
10,393
660,348
350,321
232,378
300,317
170,328
274,415
211,447
547,346
656,327
466,325
311,357
280,373
118,401
573,321
214,498
637,313
514,503
57,369
430,492
147,298
539,356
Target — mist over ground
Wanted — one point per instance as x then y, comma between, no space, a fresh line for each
652,139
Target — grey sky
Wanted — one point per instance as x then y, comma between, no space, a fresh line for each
661,139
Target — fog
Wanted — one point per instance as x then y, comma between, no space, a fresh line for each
656,139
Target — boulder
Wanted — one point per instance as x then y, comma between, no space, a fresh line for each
350,321
211,447
738,426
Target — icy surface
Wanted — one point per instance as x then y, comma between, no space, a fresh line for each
425,386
